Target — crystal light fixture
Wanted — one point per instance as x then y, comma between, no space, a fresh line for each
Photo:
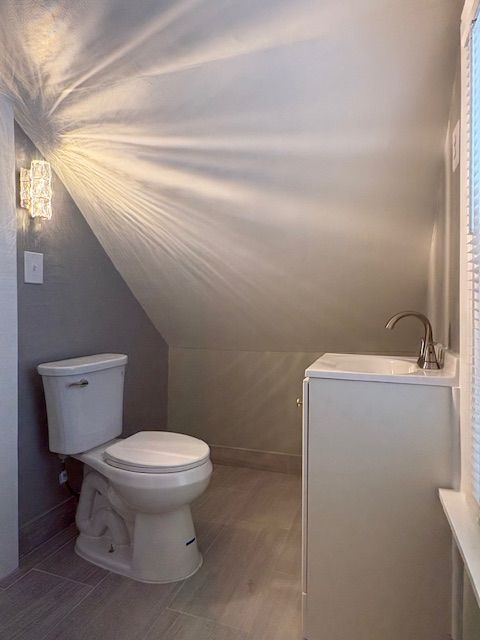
36,189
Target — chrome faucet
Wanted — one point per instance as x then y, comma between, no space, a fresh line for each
427,358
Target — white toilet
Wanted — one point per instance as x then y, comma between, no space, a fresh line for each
134,512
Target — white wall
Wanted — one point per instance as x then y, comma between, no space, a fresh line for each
8,346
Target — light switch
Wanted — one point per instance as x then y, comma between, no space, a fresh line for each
33,267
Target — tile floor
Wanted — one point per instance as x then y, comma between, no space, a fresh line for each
249,530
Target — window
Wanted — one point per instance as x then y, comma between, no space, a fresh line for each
474,250
470,268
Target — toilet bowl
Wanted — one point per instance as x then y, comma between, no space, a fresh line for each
154,502
134,512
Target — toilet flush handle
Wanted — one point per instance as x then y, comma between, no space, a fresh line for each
80,383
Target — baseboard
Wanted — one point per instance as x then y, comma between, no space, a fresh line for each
43,527
255,459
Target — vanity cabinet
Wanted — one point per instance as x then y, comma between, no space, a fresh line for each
376,545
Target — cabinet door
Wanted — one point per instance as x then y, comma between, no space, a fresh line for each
378,545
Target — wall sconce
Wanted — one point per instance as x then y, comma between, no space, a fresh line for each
36,189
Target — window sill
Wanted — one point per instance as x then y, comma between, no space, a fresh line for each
464,523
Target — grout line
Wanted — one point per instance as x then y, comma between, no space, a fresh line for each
34,566
50,629
49,540
53,575
162,611
56,575
204,618
37,549
287,573
174,594
47,557
17,579
204,555
42,515
87,595
215,538
193,615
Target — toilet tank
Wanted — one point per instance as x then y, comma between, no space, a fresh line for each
84,399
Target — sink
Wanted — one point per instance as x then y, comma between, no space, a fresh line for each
348,366
369,364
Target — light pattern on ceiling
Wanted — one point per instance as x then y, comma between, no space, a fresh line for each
262,174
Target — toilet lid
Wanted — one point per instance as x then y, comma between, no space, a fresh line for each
157,452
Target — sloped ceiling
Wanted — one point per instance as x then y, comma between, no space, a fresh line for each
263,174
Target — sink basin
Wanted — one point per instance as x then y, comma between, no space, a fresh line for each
348,366
369,364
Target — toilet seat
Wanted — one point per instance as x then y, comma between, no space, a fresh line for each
157,452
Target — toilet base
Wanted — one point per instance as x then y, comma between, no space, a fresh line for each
140,525
98,552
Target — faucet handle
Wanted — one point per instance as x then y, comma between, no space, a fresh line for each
422,346
440,353
429,359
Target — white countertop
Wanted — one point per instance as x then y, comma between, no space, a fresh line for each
373,368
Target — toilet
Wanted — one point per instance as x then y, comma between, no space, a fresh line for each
134,514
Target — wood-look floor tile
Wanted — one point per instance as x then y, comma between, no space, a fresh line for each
117,609
31,607
279,618
267,480
172,625
39,554
248,525
219,505
232,584
275,503
67,564
238,478
290,561
35,532
223,477
207,532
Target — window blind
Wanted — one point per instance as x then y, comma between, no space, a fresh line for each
474,245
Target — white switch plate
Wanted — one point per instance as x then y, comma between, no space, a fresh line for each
33,267
456,147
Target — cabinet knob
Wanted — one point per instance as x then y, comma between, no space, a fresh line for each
299,402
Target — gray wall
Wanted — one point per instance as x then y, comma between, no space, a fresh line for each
242,399
8,347
246,399
84,307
